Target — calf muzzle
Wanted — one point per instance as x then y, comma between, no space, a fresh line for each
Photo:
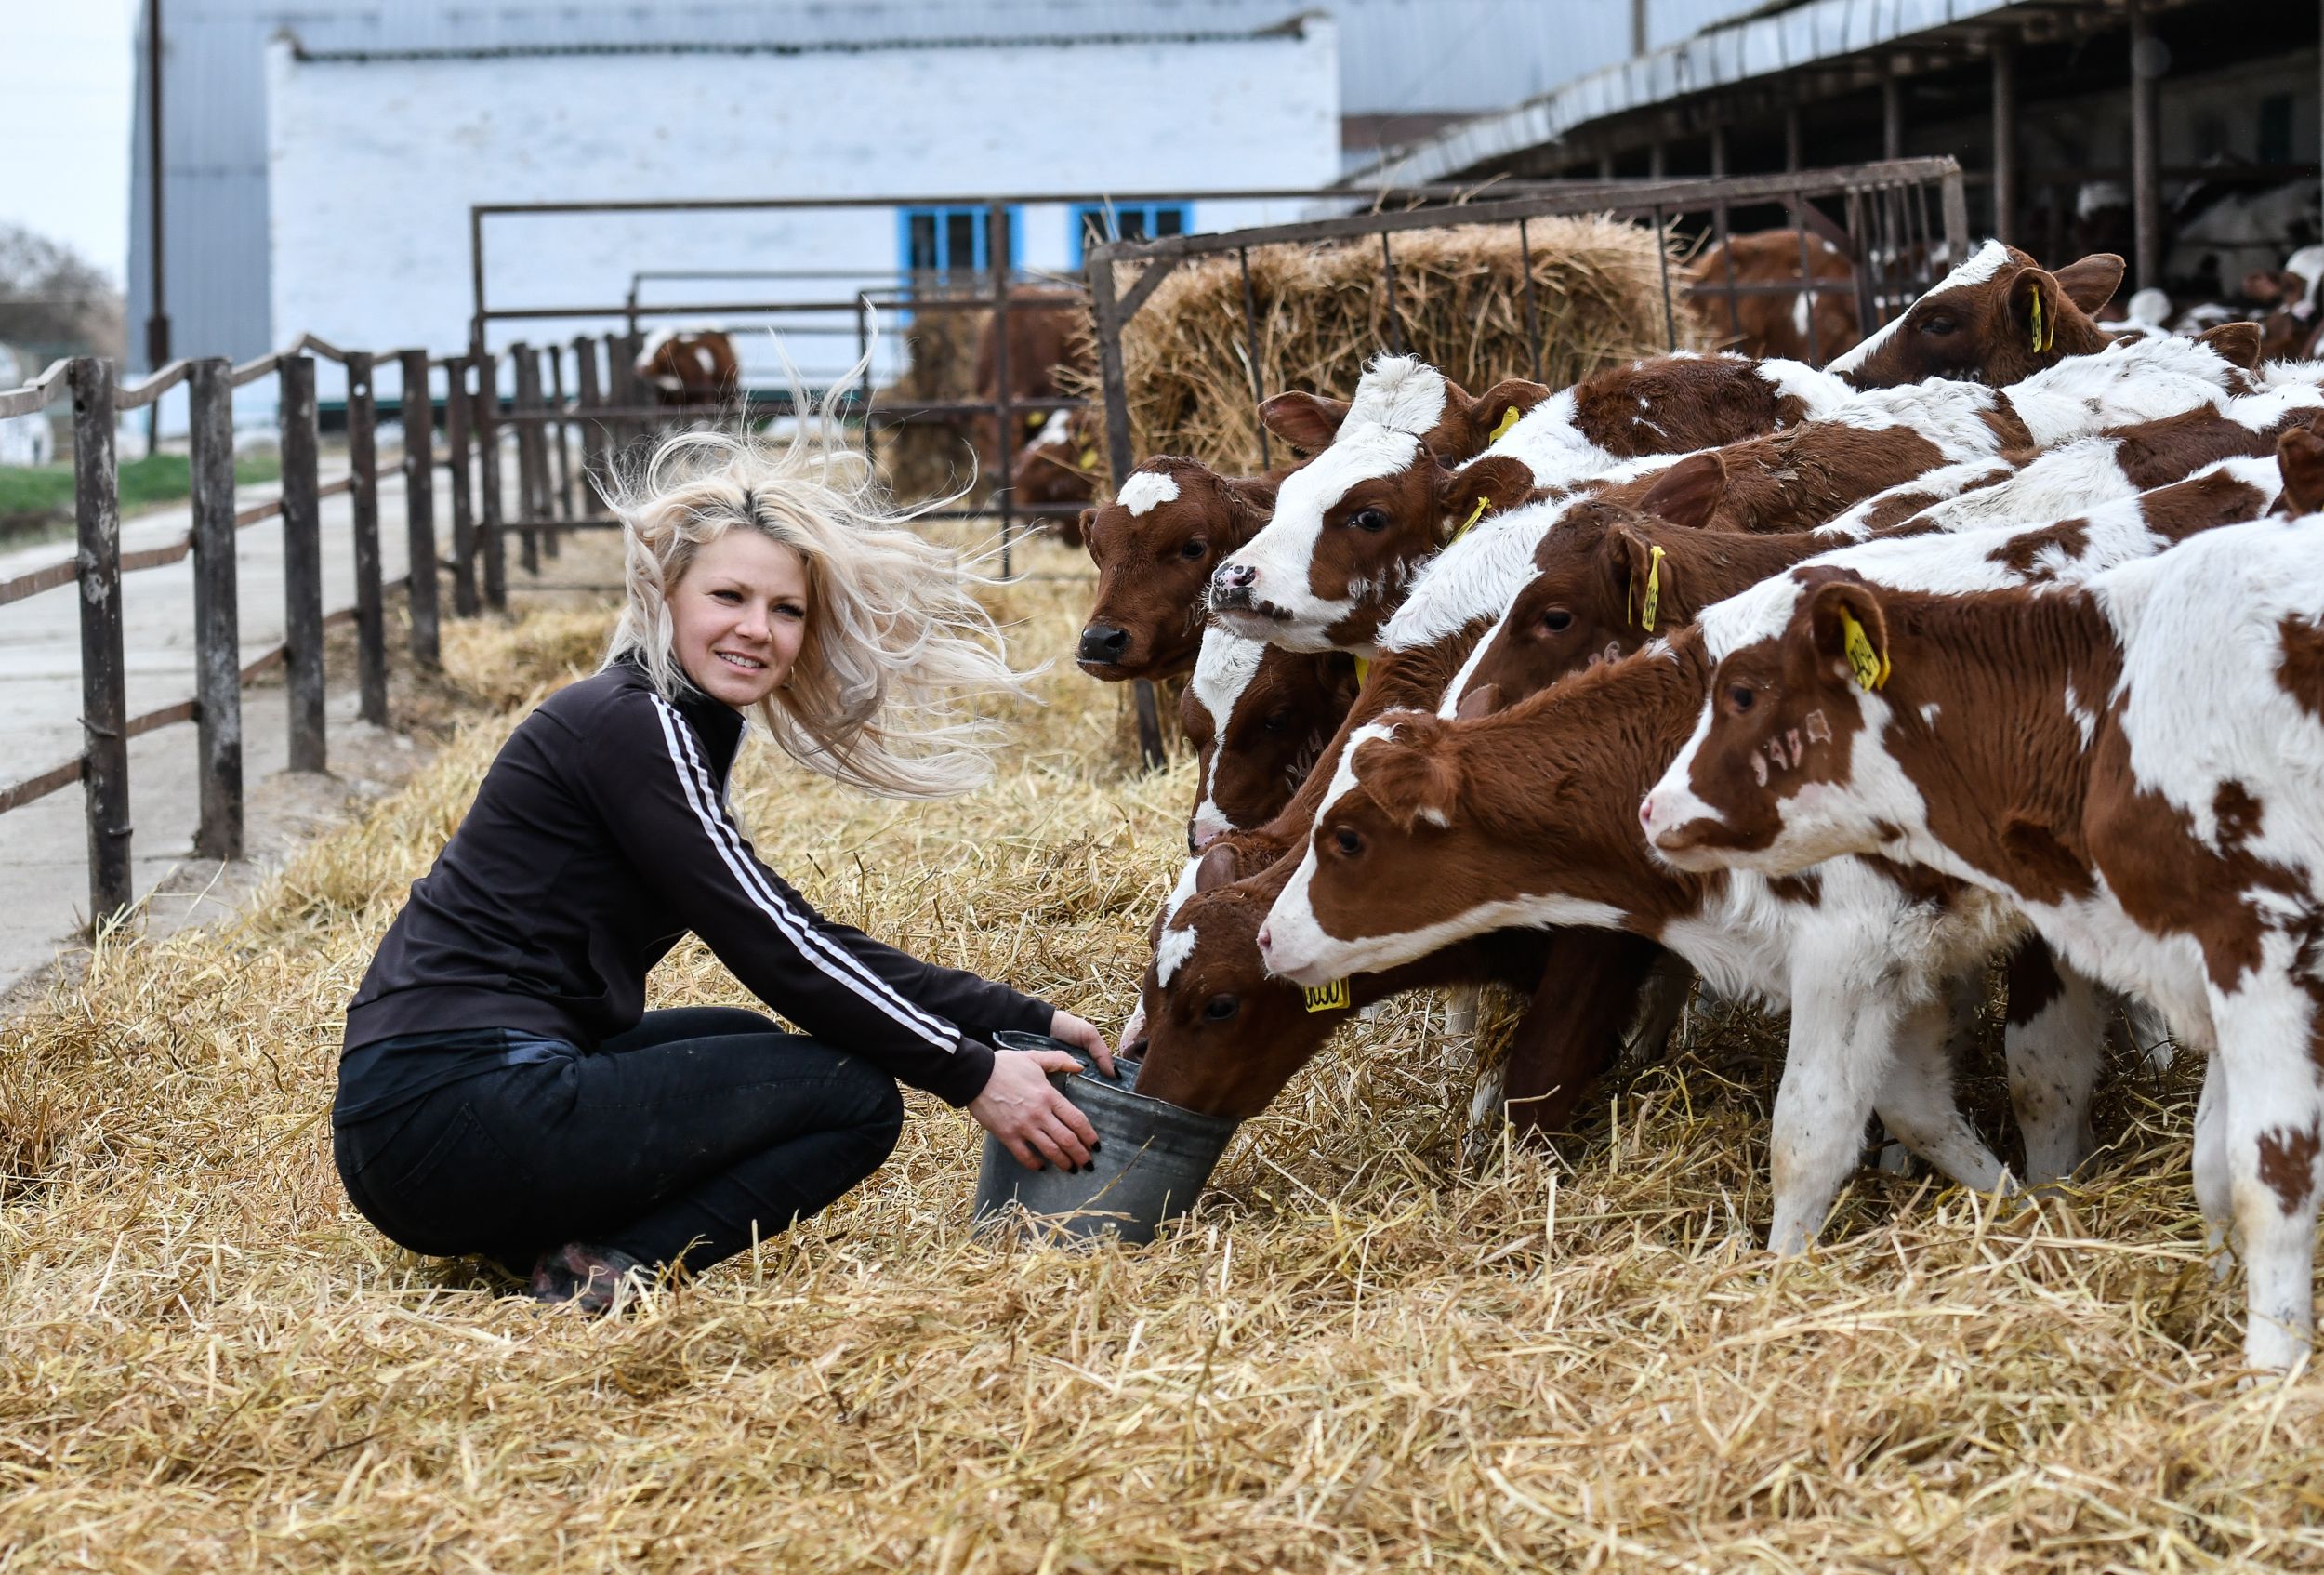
1103,645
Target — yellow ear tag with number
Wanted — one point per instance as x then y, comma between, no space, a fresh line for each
1474,515
2040,341
1328,998
1654,589
1872,670
1088,459
1508,420
1363,671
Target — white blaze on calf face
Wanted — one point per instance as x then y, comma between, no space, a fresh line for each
1983,264
1147,491
1398,401
1223,671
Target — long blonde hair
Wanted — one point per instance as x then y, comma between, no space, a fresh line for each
897,647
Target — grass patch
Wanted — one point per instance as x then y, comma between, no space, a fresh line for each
32,496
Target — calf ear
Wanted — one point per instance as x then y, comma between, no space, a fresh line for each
2035,301
1084,522
2238,343
2272,286
1481,701
1251,503
1411,775
1498,408
1640,582
1848,626
1689,492
2091,283
1216,869
2299,455
1496,481
1303,420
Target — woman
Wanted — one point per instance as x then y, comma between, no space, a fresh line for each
503,1090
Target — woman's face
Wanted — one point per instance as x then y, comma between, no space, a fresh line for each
739,614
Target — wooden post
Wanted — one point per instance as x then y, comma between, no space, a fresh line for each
419,508
2005,140
562,429
459,416
1657,160
1892,108
527,400
303,563
587,397
217,614
542,429
2145,159
488,480
363,462
1793,137
104,689
997,241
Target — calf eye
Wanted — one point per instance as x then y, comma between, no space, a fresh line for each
1940,323
1368,519
1348,841
1557,620
1194,549
1218,1009
1275,721
1740,697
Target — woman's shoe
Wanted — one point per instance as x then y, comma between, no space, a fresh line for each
590,1278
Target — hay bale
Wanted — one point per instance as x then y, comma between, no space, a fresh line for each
1323,312
931,457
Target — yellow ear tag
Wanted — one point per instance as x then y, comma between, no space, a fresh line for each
1871,670
2039,344
1035,421
1654,589
1088,459
1474,515
1328,998
1508,420
1363,671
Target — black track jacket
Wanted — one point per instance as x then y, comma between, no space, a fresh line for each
597,839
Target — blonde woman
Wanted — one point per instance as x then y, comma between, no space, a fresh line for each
503,1090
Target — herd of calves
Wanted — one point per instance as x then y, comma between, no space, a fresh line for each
1995,636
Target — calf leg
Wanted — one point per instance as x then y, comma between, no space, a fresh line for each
2055,1041
2214,1195
1841,1049
1573,1031
1916,1100
2274,1139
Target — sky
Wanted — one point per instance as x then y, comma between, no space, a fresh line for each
66,72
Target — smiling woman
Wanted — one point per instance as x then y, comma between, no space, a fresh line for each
503,1090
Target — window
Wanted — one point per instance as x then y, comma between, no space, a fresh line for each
952,240
1094,223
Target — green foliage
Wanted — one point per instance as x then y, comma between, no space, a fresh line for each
35,492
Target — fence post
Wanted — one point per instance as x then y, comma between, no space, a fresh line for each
587,397
104,696
562,428
525,398
488,480
363,462
216,614
302,564
420,507
552,542
459,416
1113,379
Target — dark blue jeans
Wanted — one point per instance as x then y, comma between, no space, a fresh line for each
674,1142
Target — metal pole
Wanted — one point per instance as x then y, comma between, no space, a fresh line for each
157,319
1792,138
1891,109
458,415
302,564
996,246
2004,141
217,617
1250,330
1388,272
1662,259
1107,319
2146,160
362,461
419,508
104,694
1533,302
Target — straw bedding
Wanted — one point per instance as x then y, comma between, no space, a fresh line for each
1322,311
1351,1358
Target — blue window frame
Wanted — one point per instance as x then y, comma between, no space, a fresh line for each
952,240
1093,222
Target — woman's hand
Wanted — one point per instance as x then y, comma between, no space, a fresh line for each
1075,1030
1023,1109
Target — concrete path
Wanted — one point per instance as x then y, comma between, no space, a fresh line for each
43,846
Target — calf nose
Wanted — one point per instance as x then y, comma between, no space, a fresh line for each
1104,643
1266,938
1234,579
1646,812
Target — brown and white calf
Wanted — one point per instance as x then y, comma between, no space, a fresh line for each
1998,318
689,366
1258,717
1433,831
1060,464
2136,761
1155,545
1799,325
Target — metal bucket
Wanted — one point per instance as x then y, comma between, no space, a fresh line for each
1152,1160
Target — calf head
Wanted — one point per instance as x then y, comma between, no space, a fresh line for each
1785,767
1155,547
1997,319
1060,463
1351,527
1258,717
2300,457
1217,1032
689,366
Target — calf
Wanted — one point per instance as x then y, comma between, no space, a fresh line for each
1061,465
1155,545
1258,717
1998,318
1796,323
689,366
2136,761
1433,831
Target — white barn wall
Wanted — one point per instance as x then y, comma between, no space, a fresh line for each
375,161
